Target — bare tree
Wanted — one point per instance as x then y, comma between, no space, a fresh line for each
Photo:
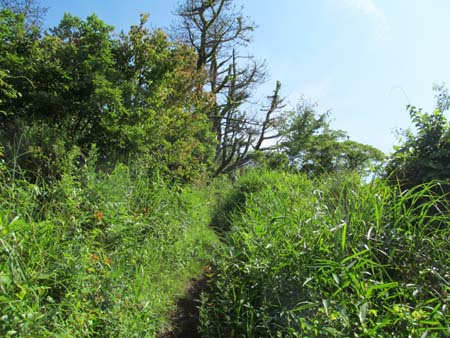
32,10
216,30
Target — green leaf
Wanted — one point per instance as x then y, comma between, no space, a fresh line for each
363,312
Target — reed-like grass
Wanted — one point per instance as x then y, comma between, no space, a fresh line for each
97,255
331,257
107,255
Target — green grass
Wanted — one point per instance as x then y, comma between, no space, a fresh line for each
97,255
108,255
331,257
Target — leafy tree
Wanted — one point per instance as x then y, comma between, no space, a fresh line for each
33,12
17,59
313,147
9,24
425,155
165,116
216,30
6,90
132,95
273,160
61,77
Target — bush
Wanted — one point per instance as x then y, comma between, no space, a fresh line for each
425,155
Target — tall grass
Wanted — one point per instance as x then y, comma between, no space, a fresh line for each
97,255
107,255
332,257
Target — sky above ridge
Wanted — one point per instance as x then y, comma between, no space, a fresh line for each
364,60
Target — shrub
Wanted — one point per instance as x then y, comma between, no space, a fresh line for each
425,155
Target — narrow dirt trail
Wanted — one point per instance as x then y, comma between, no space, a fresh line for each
185,320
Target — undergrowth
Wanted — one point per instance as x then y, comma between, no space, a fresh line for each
330,257
97,255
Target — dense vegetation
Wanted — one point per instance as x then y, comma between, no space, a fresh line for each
329,257
130,166
97,255
129,95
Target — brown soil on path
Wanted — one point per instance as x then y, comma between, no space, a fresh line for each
185,320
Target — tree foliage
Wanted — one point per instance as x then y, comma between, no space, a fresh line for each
312,146
132,95
32,11
424,155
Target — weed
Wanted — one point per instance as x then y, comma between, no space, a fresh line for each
332,257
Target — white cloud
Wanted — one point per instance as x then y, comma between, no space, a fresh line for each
371,9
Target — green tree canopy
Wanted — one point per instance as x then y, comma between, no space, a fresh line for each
313,147
424,155
132,95
32,11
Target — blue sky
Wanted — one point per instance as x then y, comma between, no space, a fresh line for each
365,60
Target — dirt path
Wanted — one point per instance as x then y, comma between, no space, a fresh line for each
186,319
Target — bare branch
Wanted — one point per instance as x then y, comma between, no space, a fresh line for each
215,29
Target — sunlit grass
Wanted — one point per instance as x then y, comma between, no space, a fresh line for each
97,255
331,257
107,255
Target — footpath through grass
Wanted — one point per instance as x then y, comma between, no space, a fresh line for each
97,255
109,255
332,257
